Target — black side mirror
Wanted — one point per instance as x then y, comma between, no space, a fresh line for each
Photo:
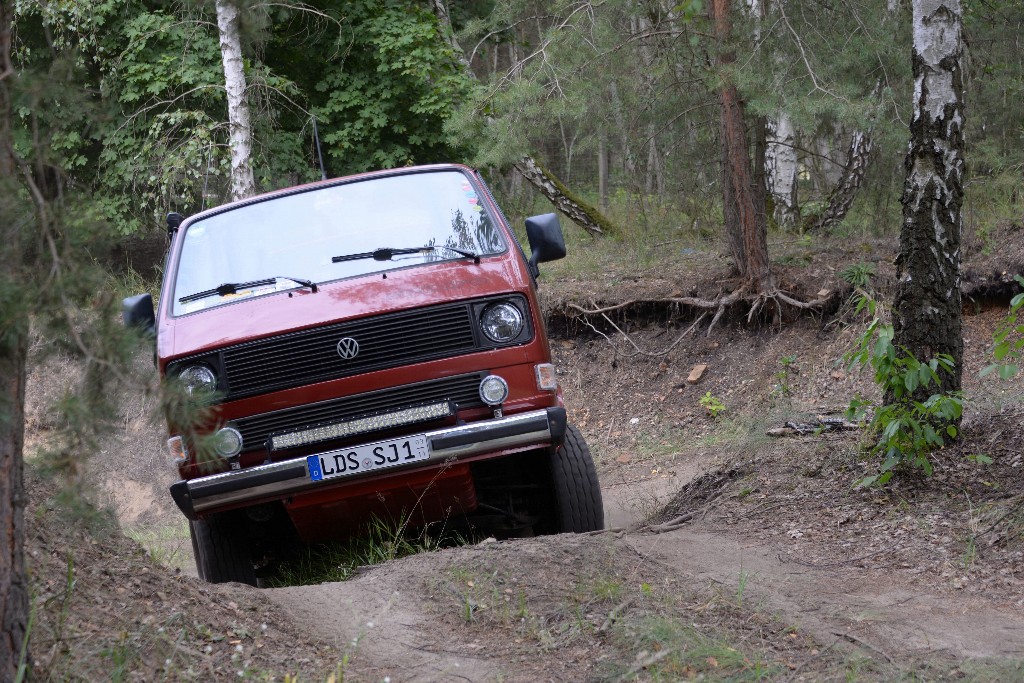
137,312
546,240
174,220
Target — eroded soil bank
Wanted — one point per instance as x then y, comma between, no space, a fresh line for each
781,569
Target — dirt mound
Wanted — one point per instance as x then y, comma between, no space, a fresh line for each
104,610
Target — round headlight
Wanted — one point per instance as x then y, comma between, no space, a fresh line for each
493,390
501,322
227,442
198,377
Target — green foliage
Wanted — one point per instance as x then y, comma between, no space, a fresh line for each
784,387
858,275
1008,340
907,427
385,100
712,404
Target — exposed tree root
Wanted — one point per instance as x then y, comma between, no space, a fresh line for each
775,300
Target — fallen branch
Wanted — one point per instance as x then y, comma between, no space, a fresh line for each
818,426
643,663
614,615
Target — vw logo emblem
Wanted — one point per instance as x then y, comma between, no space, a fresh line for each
348,348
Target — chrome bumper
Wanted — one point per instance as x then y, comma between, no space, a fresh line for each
289,477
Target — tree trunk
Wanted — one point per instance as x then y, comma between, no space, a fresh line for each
748,239
240,130
14,603
583,214
927,308
841,198
781,167
602,172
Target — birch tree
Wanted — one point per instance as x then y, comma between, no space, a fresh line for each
781,167
927,309
240,130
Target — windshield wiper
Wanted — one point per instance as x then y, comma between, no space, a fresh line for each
235,287
387,253
463,252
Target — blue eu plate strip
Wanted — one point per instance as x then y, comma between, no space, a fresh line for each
313,465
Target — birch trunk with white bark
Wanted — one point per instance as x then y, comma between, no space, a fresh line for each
239,128
927,309
781,169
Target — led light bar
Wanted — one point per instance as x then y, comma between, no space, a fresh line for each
362,425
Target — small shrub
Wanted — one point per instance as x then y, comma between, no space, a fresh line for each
1008,340
907,429
712,404
858,275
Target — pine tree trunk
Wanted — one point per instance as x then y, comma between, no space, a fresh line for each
240,130
583,214
747,236
602,172
14,593
927,309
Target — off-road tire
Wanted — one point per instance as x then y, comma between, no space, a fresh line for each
195,549
222,549
578,504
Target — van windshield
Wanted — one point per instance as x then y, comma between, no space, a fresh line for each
297,235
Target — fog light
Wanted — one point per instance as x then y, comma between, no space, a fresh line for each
493,390
227,442
176,447
547,379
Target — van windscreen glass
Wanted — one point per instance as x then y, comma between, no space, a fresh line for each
271,242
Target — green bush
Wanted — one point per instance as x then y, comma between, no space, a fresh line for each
906,429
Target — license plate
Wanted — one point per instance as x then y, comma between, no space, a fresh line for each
367,457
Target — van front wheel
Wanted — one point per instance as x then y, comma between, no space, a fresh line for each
578,503
221,549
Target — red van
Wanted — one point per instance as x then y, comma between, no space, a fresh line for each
373,346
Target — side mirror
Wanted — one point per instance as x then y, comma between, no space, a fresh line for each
546,240
137,312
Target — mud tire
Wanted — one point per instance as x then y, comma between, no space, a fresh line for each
222,549
578,504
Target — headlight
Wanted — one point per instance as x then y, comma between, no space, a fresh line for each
198,377
501,322
493,390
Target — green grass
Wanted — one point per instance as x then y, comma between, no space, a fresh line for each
653,233
169,545
378,543
696,653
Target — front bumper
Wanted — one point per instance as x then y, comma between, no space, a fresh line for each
289,477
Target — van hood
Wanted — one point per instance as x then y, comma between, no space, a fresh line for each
375,294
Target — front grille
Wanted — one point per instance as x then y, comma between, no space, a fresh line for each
463,390
300,358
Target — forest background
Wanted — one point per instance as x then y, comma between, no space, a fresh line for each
119,116
616,99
